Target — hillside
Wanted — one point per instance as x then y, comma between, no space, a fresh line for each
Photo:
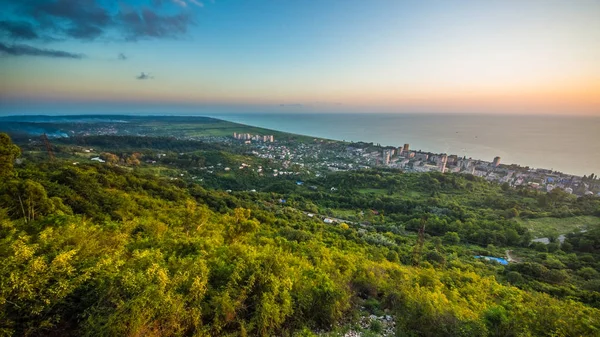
132,248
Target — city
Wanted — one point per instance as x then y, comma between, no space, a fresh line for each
320,156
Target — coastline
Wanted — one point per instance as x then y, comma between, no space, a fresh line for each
470,139
570,152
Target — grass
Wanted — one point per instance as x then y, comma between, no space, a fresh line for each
344,213
542,227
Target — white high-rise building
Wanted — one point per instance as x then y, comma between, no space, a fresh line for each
443,161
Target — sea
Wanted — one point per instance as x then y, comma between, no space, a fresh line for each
562,143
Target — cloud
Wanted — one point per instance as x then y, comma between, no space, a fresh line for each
180,3
94,19
148,24
21,30
197,3
26,50
122,57
184,3
310,105
79,19
323,103
88,20
144,76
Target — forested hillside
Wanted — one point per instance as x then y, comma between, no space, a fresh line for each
114,249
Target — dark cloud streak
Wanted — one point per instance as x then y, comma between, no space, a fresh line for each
26,50
149,24
89,20
85,32
79,19
21,30
86,20
144,76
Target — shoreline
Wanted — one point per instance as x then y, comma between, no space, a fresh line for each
349,135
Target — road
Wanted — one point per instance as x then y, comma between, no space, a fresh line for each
509,257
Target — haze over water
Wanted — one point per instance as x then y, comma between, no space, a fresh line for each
566,144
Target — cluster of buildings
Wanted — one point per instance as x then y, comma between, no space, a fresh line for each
420,161
390,152
539,179
248,137
403,158
321,156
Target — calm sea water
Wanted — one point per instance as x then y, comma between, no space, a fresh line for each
567,144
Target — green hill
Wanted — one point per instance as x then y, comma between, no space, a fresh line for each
105,249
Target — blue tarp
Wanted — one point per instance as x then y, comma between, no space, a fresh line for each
491,258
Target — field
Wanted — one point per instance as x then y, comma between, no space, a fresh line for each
542,227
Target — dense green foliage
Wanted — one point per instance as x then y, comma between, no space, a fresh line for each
103,250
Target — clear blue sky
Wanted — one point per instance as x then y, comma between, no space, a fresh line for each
538,56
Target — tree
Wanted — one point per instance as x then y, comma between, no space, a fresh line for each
512,237
553,247
8,153
497,320
514,277
195,216
566,246
555,276
392,256
451,238
512,213
588,273
239,225
434,256
26,199
134,159
110,158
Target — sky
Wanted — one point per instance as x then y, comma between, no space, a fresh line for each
93,56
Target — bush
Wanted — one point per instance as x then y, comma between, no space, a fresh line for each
451,238
514,277
376,326
588,273
373,306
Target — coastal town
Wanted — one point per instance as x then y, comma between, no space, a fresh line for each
283,154
318,157
322,156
